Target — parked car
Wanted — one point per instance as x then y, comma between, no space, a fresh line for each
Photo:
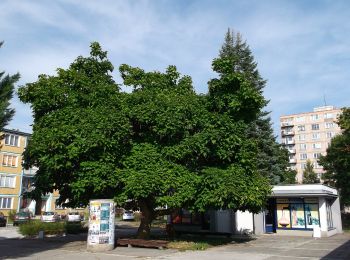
2,220
49,216
128,215
22,217
73,217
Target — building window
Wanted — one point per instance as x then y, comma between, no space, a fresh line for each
303,156
317,155
184,216
302,166
302,146
329,214
300,119
314,117
301,127
7,181
316,136
9,160
329,125
315,127
317,166
302,137
316,146
5,203
330,134
328,115
12,140
297,213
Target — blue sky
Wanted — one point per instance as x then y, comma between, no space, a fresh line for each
302,47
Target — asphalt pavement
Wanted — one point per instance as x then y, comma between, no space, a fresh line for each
265,247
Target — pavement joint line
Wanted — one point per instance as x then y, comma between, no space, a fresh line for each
295,257
112,254
298,247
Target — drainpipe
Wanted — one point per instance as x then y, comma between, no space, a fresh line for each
20,190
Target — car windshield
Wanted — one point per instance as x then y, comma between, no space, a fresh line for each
128,212
73,213
48,213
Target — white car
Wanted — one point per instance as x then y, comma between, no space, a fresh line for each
128,215
73,217
49,216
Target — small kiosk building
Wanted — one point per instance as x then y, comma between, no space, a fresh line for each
296,210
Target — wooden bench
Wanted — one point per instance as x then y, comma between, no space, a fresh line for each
130,242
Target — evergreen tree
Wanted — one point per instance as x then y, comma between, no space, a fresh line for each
6,93
337,160
309,175
272,158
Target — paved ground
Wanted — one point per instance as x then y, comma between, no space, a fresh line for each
266,247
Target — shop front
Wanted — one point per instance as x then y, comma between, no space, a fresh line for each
295,210
302,209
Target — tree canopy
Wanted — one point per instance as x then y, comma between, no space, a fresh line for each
6,93
337,160
160,145
309,175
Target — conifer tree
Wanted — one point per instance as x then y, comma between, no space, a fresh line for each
272,158
6,93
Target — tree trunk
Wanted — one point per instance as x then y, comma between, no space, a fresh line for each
147,216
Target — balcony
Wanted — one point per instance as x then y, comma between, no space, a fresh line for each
285,124
287,132
291,151
30,171
285,142
293,160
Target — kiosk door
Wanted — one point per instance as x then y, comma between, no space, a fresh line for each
270,217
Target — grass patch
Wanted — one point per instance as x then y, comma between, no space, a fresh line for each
33,227
196,242
188,245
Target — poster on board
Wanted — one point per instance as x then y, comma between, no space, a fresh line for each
297,215
101,222
311,215
283,216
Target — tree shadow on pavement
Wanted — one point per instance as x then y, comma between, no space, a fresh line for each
341,252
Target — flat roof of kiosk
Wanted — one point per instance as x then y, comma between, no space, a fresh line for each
303,190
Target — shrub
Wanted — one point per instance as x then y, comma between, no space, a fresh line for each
74,228
137,216
32,228
12,214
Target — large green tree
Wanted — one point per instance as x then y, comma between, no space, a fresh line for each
160,146
272,158
309,175
6,93
80,130
337,160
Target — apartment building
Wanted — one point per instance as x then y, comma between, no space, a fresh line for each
307,136
12,176
15,181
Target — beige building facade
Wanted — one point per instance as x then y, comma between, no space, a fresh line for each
307,136
15,181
